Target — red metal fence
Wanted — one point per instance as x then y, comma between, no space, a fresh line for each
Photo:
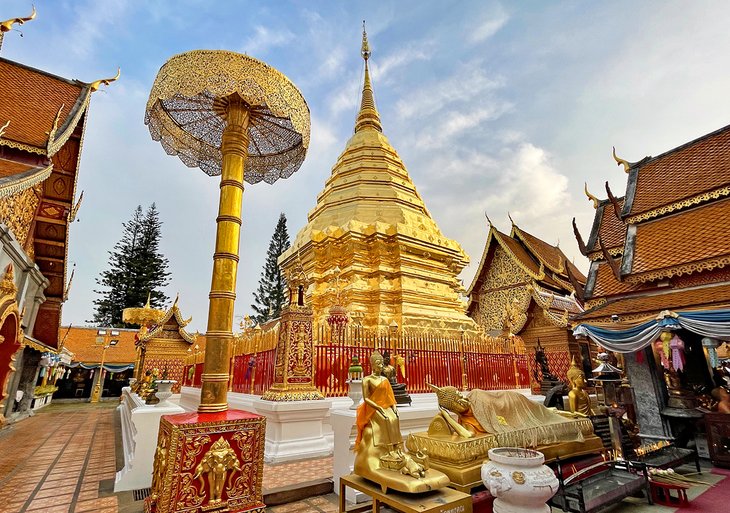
466,362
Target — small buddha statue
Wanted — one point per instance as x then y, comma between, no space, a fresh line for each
578,399
380,455
402,397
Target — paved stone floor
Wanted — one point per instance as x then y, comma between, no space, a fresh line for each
55,461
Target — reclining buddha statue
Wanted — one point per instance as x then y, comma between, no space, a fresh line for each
488,419
379,452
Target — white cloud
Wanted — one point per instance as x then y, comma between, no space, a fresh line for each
93,22
381,69
263,39
489,27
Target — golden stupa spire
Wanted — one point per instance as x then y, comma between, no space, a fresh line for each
368,116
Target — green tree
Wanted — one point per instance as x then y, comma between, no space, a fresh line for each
136,269
271,295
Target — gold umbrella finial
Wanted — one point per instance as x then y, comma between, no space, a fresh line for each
94,86
365,48
596,201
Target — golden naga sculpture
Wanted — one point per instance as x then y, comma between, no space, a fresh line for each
217,462
94,86
380,456
580,402
7,25
621,162
489,419
596,201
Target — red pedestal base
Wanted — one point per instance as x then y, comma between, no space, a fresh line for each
208,462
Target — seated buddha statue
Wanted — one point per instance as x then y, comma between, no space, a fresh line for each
578,399
399,389
379,452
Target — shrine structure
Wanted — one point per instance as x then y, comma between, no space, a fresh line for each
525,286
371,244
658,283
42,122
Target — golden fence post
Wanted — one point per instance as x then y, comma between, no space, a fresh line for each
464,377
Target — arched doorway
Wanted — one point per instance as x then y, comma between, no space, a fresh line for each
9,345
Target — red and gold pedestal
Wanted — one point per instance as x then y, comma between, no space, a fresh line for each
208,462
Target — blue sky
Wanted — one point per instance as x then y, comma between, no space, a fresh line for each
496,107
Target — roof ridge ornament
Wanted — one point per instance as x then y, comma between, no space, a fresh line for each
94,86
596,201
621,162
7,25
511,220
614,202
2,128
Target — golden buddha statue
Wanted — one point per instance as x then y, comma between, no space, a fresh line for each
380,456
450,399
578,398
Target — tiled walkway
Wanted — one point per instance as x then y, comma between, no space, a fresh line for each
54,461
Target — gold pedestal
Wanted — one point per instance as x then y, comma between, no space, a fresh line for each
461,459
294,366
208,462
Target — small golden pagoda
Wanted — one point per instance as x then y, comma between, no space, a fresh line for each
395,265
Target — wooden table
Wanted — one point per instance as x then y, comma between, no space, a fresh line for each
444,500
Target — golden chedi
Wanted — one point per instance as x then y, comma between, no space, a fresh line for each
380,456
489,419
578,398
370,221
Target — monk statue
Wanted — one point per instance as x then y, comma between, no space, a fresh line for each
578,399
380,455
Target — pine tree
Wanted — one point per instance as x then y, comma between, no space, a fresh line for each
136,269
271,295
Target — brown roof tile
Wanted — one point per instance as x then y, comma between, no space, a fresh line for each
551,256
611,230
10,168
606,283
82,342
30,99
651,304
694,235
699,166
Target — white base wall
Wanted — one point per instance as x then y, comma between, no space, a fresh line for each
140,427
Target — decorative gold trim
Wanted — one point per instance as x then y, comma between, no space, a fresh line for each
596,201
505,247
23,146
38,346
593,303
2,128
678,205
25,183
57,142
679,270
598,255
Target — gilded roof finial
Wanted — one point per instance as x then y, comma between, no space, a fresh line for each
488,220
368,116
596,201
2,128
621,162
94,86
511,220
7,25
365,48
67,289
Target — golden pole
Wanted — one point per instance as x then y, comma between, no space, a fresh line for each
96,394
219,335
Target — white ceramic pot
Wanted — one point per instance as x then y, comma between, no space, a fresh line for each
518,480
164,391
355,392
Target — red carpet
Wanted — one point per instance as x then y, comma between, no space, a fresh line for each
715,499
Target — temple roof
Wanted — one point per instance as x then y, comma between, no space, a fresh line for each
693,169
81,341
31,100
693,240
550,256
173,316
651,303
610,228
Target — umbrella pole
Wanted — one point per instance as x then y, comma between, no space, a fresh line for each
219,335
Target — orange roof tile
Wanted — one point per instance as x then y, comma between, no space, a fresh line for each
82,342
551,256
10,168
695,167
606,283
31,99
655,302
687,237
611,230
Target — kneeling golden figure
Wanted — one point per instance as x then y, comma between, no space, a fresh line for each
380,456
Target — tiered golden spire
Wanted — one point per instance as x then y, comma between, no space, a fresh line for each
368,116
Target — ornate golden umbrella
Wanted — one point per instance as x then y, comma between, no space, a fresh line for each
234,116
